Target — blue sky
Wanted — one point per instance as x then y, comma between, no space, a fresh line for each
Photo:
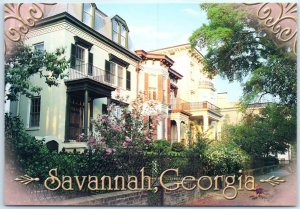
158,25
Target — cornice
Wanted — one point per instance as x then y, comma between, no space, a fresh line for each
96,35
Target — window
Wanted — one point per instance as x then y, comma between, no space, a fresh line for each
152,86
123,36
35,110
79,58
128,80
115,34
109,74
120,76
99,21
39,46
119,32
87,14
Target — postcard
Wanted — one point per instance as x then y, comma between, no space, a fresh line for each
150,104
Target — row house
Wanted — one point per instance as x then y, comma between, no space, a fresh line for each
159,80
193,108
100,61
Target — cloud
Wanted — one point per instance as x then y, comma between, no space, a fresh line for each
192,12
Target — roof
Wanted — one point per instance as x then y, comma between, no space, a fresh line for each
64,16
186,45
152,56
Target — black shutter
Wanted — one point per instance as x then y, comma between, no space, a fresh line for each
90,61
107,71
128,80
73,58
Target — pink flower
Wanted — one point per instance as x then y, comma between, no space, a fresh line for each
108,151
91,140
148,139
125,144
127,139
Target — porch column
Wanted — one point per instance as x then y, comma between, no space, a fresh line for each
67,126
205,123
86,111
178,123
91,113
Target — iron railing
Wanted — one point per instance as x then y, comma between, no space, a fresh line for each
181,105
86,70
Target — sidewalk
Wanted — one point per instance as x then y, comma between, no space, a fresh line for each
284,194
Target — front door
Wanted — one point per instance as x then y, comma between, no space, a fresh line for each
76,117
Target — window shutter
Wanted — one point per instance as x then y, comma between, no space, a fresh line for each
128,80
146,85
107,71
168,91
90,61
73,56
160,88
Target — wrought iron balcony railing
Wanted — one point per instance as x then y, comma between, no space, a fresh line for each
85,70
181,105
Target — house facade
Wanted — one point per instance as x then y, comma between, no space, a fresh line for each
100,62
193,109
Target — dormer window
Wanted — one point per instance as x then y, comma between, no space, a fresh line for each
99,21
87,14
119,31
115,33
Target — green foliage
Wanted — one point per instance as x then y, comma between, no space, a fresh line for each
177,147
225,157
160,146
267,133
25,63
238,47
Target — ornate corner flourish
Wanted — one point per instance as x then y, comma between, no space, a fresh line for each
274,181
281,19
26,179
18,19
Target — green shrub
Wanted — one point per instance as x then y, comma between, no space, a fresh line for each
224,157
177,147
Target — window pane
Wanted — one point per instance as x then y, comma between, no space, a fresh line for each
123,31
115,26
87,8
115,37
99,22
39,46
123,41
87,18
120,76
34,120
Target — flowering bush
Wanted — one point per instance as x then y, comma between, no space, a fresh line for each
225,157
125,127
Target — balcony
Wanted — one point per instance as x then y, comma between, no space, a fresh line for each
206,85
92,72
181,105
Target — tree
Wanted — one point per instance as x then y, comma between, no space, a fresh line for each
25,63
237,47
267,133
129,130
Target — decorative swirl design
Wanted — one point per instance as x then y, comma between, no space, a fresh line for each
282,23
15,14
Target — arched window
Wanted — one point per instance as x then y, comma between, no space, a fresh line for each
119,31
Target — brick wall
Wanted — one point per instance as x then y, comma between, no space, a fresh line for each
135,198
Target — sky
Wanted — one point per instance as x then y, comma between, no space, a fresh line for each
158,25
